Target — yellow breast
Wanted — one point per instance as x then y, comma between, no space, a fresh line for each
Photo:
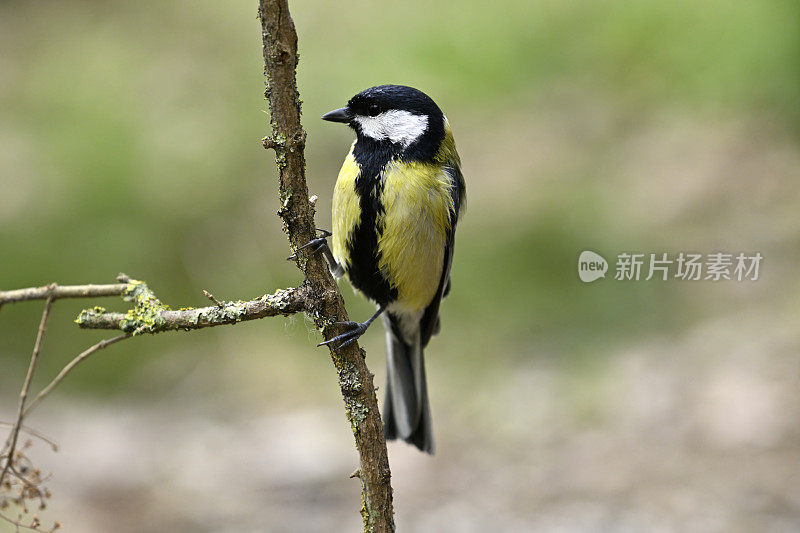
346,209
416,201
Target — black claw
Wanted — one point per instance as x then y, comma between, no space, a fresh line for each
347,343
315,244
356,330
318,247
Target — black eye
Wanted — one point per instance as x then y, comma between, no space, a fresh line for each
373,110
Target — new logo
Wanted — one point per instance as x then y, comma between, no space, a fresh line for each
591,266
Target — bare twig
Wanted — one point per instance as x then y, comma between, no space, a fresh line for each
33,526
32,432
68,368
61,291
324,303
11,443
211,297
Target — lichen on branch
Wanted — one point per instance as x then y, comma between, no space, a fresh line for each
150,315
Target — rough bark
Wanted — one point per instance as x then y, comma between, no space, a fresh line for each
356,382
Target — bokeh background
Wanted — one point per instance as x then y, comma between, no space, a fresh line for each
130,141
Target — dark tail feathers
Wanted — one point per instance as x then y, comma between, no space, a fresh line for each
406,412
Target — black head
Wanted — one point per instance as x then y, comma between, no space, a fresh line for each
402,117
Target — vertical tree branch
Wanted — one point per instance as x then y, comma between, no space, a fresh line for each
325,303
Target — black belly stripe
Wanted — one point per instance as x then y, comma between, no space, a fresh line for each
371,157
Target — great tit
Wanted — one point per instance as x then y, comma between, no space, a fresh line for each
396,203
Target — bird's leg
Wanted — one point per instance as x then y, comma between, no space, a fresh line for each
356,329
320,244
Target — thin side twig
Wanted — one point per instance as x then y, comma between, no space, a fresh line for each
212,298
61,291
33,433
33,526
69,366
11,443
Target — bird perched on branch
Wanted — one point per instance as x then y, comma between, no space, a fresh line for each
395,207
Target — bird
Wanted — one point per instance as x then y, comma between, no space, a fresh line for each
396,203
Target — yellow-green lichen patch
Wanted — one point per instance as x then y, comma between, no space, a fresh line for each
88,315
356,411
280,158
145,317
365,515
349,379
230,312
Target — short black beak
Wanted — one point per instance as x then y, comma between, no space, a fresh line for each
338,115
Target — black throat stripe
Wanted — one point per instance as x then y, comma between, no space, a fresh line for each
371,157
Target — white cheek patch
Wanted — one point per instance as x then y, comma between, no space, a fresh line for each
398,126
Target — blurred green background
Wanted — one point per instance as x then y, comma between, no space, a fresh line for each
130,141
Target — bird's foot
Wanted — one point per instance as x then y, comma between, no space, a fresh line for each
314,245
355,330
